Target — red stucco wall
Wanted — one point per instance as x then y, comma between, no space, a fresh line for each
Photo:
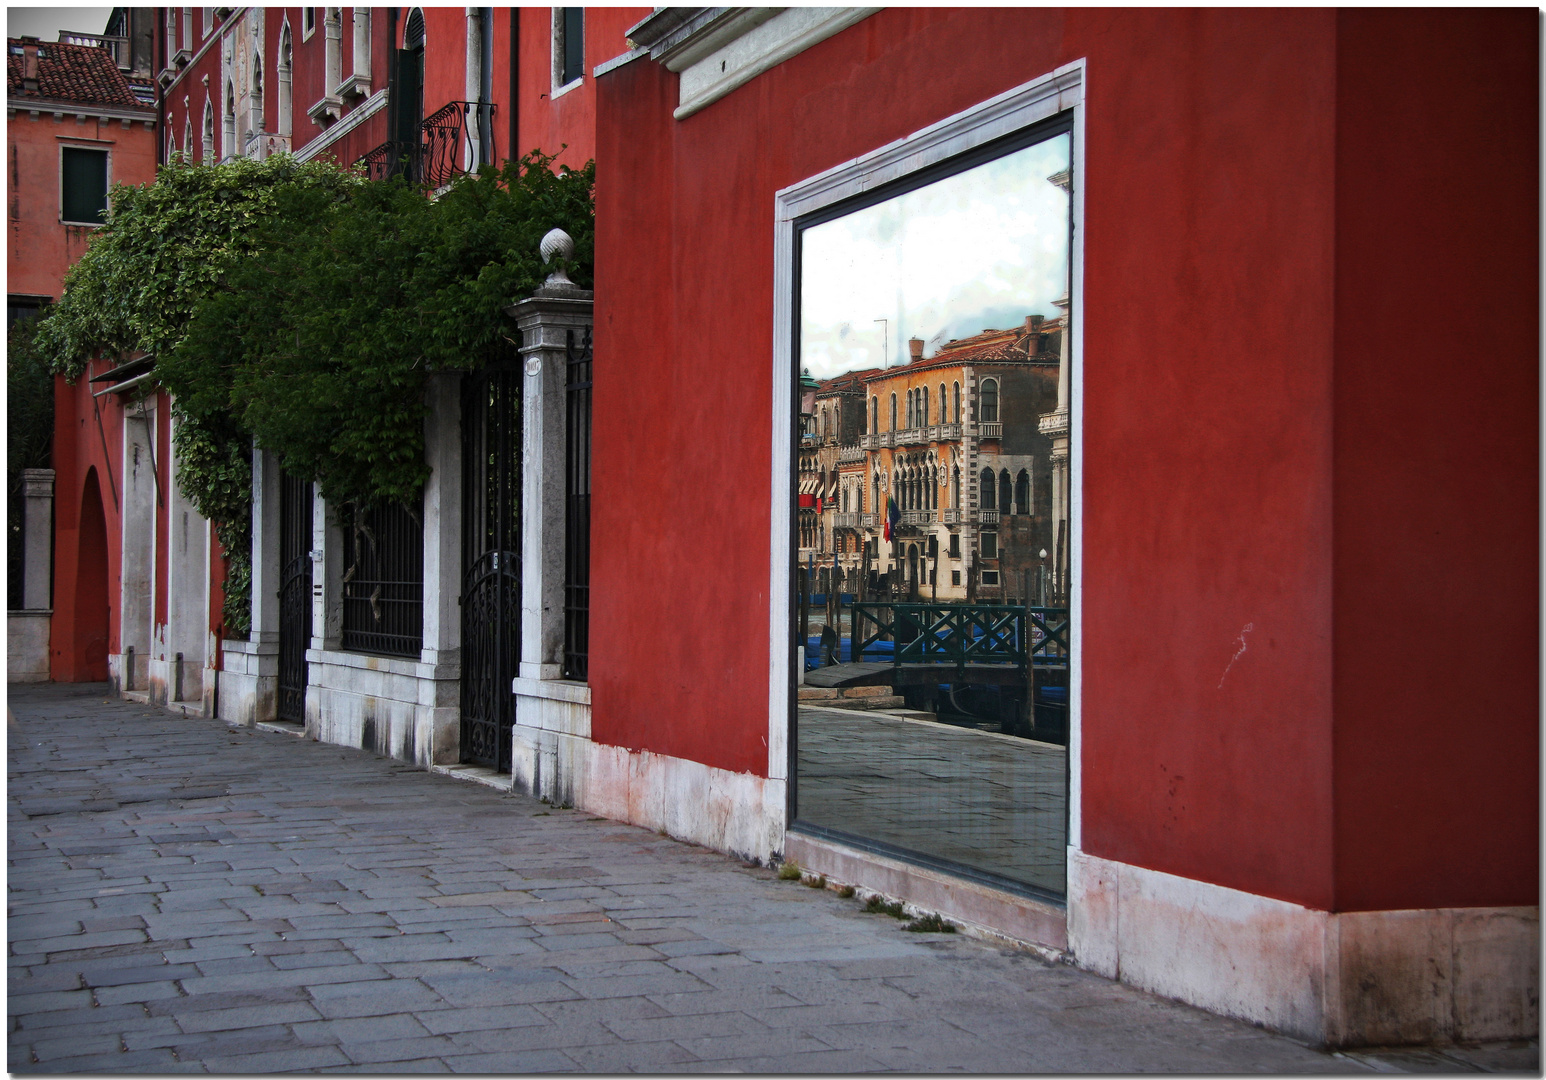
83,585
1215,316
550,123
1436,492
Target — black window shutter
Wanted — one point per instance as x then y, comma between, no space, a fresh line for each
85,185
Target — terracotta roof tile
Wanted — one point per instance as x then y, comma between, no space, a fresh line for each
75,74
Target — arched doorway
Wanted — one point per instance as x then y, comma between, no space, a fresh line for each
88,646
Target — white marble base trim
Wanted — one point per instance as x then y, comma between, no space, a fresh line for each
986,911
1337,979
737,813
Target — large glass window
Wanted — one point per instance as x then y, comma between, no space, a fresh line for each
931,719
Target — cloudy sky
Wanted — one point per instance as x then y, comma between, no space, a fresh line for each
45,23
983,248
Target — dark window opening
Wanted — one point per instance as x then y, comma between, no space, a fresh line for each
85,186
988,402
572,45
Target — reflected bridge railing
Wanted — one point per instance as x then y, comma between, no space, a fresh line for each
958,635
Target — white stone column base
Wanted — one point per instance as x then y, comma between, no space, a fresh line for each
407,709
1355,978
26,648
249,682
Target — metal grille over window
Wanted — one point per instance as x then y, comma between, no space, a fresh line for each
577,506
383,601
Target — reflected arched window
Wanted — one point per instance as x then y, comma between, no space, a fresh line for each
988,494
874,415
955,416
1023,492
893,412
942,400
988,401
1004,489
286,62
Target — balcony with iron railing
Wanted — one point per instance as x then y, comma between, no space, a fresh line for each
453,141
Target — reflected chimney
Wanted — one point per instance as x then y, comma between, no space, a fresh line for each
915,348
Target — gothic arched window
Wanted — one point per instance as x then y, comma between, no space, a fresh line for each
987,398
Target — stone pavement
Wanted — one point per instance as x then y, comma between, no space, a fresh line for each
977,798
186,896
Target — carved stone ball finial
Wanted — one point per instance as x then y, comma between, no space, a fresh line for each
557,243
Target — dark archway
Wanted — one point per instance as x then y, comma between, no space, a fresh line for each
87,659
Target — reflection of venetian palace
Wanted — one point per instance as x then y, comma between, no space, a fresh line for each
972,443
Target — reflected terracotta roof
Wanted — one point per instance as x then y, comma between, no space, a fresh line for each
989,347
74,74
849,381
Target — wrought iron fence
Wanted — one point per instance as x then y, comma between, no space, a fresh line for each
295,516
383,601
577,457
455,139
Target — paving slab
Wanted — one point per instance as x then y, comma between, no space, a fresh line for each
186,895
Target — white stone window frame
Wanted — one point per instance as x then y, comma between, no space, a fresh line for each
1040,99
100,149
560,88
308,22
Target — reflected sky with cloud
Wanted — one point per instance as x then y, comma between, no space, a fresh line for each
983,248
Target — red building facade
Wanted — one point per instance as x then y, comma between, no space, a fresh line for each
78,123
1268,807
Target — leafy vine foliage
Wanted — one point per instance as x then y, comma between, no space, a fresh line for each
304,306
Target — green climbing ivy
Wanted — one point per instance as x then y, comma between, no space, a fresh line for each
304,306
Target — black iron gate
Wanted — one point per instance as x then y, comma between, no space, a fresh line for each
491,560
294,594
577,507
